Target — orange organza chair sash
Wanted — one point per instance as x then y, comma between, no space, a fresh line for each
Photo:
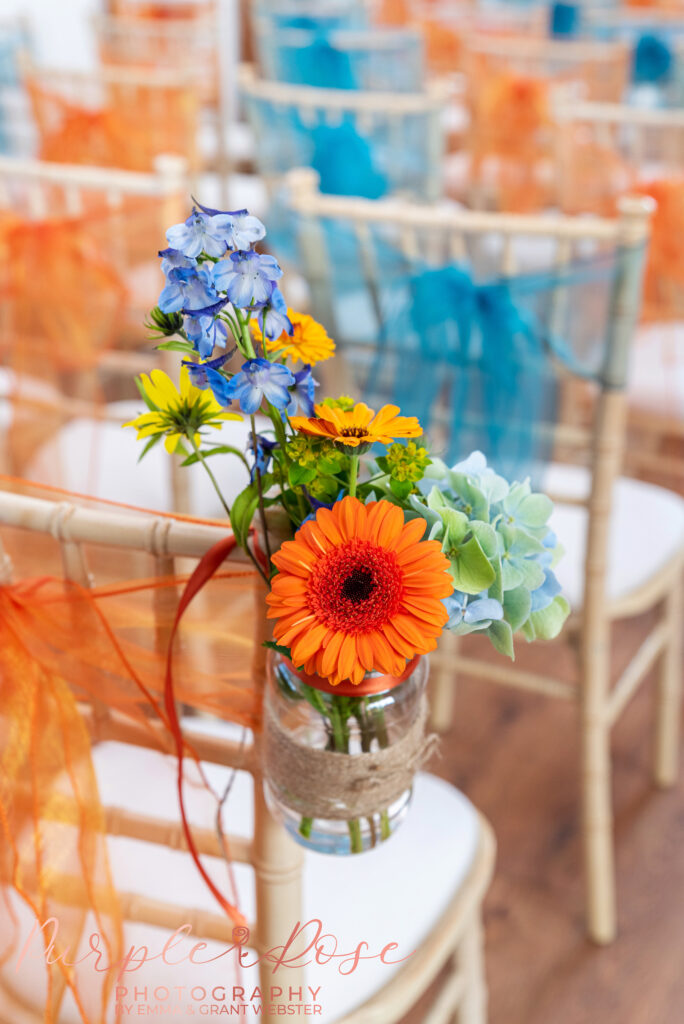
137,123
61,644
664,277
510,136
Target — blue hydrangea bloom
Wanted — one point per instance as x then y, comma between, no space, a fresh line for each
199,371
274,313
258,380
189,289
202,233
206,333
544,595
248,278
264,453
471,610
245,228
302,393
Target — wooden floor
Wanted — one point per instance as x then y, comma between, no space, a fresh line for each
516,756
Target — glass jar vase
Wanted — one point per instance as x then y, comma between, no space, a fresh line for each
339,761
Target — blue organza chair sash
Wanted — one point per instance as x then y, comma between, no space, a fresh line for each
387,60
481,362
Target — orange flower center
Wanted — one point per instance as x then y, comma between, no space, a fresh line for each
356,588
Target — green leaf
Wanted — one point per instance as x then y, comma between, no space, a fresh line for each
401,488
501,636
244,507
150,444
278,648
175,345
224,449
381,463
298,475
547,624
470,568
516,606
145,397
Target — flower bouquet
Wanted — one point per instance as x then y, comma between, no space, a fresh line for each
380,546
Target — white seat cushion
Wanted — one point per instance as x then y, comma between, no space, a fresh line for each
647,531
101,459
656,375
393,894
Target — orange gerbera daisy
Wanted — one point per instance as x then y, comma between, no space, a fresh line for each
358,426
358,590
309,341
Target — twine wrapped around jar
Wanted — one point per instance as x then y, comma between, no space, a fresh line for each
339,786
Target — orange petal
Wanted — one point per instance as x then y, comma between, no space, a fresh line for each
348,657
413,532
308,643
331,654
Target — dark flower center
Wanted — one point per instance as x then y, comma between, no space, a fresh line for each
353,432
359,585
356,587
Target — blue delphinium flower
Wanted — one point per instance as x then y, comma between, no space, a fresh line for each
245,228
174,259
206,333
199,371
302,393
248,278
202,233
188,288
274,314
258,380
264,453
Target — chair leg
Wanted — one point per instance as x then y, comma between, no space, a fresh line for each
443,684
669,694
473,1005
597,828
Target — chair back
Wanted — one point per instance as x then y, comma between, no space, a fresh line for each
472,299
656,44
119,573
604,151
485,325
188,45
88,235
366,59
598,71
116,116
361,143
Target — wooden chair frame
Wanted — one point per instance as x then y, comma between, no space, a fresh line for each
599,704
456,940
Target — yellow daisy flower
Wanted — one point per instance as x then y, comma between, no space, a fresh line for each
176,414
309,342
359,427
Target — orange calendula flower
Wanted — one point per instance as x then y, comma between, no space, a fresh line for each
358,590
359,426
309,341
